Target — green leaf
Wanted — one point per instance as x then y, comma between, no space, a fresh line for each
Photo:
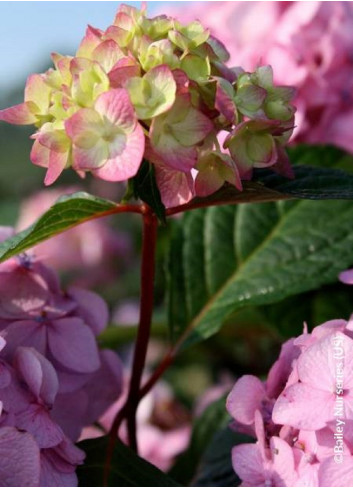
216,465
314,307
205,426
145,188
67,212
251,255
310,182
127,469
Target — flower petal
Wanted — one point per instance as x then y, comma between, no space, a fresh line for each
38,373
304,407
36,420
92,308
115,105
73,345
245,398
19,459
21,114
124,165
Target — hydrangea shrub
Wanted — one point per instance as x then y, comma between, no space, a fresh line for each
153,106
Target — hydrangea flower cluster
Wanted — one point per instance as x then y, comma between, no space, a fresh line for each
302,415
53,379
159,90
308,44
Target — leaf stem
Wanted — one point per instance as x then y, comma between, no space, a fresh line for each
162,367
128,411
149,240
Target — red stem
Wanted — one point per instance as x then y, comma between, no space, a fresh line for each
149,240
128,411
162,367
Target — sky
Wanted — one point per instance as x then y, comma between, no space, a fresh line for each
30,31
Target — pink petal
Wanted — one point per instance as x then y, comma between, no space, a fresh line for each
176,187
279,373
36,420
224,103
248,464
24,333
38,91
57,164
321,353
333,474
175,155
283,463
84,128
66,453
208,182
304,407
6,232
73,345
69,412
21,114
38,373
245,398
125,165
19,459
70,381
21,292
91,40
50,477
107,53
346,277
115,105
193,128
93,309
124,69
105,386
94,157
40,155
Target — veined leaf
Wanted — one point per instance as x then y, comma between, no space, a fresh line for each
310,182
250,255
67,212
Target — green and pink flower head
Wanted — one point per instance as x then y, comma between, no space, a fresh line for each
158,90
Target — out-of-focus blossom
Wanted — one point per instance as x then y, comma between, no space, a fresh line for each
309,46
88,249
346,277
152,89
53,379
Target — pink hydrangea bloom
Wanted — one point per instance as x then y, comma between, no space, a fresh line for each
309,46
153,83
88,249
53,379
301,416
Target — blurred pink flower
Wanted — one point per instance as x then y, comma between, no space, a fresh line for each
308,44
53,379
87,249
